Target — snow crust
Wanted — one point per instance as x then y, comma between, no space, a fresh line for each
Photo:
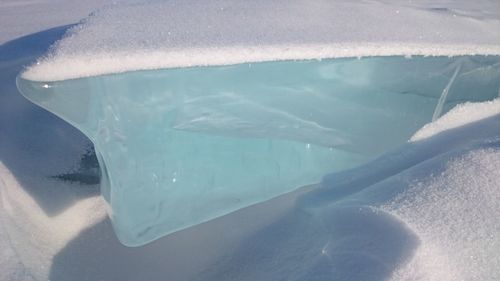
170,34
458,116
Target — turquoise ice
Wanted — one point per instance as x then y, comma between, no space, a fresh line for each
178,147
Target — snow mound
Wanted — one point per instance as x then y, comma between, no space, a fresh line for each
458,116
455,215
155,35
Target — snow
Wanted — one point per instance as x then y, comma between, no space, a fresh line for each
455,118
23,17
171,34
464,194
31,147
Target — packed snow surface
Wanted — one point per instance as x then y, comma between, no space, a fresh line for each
160,34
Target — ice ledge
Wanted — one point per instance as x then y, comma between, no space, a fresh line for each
71,67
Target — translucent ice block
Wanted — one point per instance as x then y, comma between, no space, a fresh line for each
181,146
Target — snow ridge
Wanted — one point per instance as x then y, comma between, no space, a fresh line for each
462,114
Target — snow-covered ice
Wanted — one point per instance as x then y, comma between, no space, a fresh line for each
425,210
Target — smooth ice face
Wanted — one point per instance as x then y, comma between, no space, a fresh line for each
178,147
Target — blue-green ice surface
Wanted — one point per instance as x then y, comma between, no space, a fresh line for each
178,147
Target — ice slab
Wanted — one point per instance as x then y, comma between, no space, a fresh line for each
183,33
181,146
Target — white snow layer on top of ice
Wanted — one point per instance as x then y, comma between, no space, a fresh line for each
187,33
460,115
